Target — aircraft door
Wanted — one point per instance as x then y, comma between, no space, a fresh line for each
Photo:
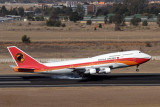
117,58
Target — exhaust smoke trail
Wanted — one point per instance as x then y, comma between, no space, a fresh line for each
66,77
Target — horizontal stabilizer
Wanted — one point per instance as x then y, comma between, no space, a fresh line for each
26,68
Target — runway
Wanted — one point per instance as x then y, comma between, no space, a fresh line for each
43,80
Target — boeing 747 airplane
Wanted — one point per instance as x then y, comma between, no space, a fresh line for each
85,66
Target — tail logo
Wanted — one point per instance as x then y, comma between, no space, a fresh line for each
20,58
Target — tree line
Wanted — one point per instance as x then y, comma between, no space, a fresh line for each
51,1
13,11
125,8
130,7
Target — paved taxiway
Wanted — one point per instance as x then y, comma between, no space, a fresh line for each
39,80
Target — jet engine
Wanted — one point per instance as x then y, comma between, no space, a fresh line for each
90,71
105,70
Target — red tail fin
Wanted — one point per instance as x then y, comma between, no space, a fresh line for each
23,60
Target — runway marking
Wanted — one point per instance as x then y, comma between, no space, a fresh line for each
14,82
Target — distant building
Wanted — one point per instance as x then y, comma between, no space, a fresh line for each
101,3
71,3
10,18
99,19
89,9
14,1
57,6
29,12
153,1
44,6
4,19
14,17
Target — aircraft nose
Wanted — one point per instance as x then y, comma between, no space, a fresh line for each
148,56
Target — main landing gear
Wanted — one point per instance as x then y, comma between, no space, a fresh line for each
137,69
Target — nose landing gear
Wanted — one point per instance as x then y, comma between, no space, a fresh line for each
137,69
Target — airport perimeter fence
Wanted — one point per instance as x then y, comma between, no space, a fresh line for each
44,60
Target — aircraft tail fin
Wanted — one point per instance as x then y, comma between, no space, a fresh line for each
23,60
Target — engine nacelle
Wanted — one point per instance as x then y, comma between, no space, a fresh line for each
90,71
105,70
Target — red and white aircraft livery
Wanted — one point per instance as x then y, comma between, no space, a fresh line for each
94,65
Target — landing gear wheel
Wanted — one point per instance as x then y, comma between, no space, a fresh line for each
137,68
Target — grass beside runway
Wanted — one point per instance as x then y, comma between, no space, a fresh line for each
81,97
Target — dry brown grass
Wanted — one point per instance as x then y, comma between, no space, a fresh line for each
38,31
77,49
80,36
75,38
80,97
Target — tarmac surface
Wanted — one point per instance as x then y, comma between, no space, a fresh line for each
43,80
